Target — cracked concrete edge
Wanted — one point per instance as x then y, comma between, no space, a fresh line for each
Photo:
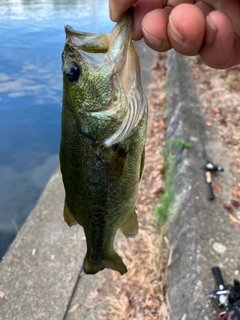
197,223
185,269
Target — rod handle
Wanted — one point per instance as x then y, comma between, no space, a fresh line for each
218,277
209,182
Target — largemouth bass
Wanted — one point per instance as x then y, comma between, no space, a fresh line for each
104,120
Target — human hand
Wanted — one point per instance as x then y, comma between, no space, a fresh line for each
209,28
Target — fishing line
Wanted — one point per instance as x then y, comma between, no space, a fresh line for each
201,133
73,292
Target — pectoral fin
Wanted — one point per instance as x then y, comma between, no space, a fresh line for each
68,217
117,164
130,227
142,164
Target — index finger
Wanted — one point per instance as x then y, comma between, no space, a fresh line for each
118,7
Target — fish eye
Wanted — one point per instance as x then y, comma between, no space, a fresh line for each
72,72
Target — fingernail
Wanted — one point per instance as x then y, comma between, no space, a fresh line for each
110,10
112,13
174,32
151,39
211,31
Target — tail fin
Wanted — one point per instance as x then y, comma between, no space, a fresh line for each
113,261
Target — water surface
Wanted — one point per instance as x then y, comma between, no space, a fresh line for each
32,38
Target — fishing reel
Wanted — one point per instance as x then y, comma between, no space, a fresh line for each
210,166
226,299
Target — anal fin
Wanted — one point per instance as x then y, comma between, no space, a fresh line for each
68,217
130,227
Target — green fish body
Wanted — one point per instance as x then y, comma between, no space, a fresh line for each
104,119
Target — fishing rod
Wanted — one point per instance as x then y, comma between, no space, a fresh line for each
80,273
208,165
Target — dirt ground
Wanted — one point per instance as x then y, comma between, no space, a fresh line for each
140,294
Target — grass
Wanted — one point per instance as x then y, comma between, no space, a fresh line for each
180,144
162,209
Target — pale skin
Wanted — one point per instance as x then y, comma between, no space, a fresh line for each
209,28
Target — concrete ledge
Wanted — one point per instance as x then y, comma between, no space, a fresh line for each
197,223
35,272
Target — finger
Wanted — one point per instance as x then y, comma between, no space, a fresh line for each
205,7
141,8
230,8
154,26
118,7
219,51
236,59
186,29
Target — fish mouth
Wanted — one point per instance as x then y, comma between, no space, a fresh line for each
102,43
85,41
